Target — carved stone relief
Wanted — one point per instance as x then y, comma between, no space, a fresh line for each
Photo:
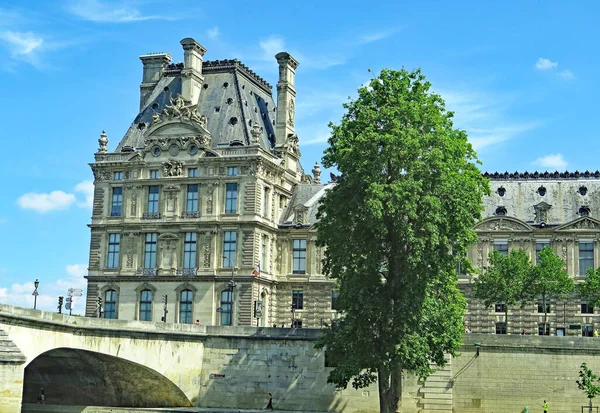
167,244
208,238
585,224
130,247
209,199
133,203
172,168
279,257
501,225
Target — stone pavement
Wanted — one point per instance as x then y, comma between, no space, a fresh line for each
50,408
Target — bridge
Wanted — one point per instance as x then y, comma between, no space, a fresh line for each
82,361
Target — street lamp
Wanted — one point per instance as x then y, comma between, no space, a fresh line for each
231,284
35,293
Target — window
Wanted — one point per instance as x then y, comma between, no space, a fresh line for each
118,176
299,256
501,211
459,267
500,307
185,306
192,172
189,250
298,299
263,253
584,211
540,308
232,171
231,193
586,257
117,202
500,328
296,323
110,304
154,174
587,309
229,248
587,331
226,307
334,299
501,247
265,203
146,305
501,191
539,245
192,199
150,250
541,329
113,250
153,199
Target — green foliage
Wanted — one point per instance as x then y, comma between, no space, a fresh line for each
408,195
502,280
588,382
590,289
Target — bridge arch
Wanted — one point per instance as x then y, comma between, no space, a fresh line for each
73,376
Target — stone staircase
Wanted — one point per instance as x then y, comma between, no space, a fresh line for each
436,392
9,352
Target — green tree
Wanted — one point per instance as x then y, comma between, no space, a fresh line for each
548,280
588,382
408,195
590,289
502,280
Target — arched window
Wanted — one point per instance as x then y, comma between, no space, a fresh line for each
584,211
185,306
146,305
501,211
226,306
110,304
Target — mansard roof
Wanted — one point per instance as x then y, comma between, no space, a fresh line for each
233,99
305,198
501,176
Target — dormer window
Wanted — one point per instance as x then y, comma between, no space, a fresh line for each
582,190
501,211
584,211
501,191
541,191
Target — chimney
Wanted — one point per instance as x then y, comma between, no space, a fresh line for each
154,64
191,74
286,97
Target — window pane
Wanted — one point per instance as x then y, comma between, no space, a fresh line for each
153,199
538,247
334,298
193,172
229,248
502,247
189,250
299,256
110,304
146,305
185,307
192,198
226,307
232,171
298,299
231,198
150,251
117,202
586,257
113,251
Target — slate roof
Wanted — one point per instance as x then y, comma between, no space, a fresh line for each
307,195
243,99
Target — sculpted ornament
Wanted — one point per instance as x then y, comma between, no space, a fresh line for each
585,224
172,168
179,109
291,111
501,225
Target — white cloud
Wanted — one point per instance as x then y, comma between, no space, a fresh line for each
110,12
545,64
552,162
58,200
374,37
274,44
24,46
87,188
76,270
566,74
213,33
271,46
55,200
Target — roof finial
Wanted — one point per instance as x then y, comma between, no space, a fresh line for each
103,141
316,173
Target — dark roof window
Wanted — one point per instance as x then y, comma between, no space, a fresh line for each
225,84
205,86
584,211
501,191
229,101
501,211
233,120
155,106
541,191
582,190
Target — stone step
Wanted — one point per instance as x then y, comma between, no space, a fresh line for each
438,390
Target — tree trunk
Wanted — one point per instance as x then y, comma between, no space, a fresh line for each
390,390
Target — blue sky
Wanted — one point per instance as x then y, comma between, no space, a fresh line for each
521,78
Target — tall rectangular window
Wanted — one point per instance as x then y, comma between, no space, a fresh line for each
226,307
231,195
500,328
232,171
299,256
501,247
298,299
540,245
459,267
192,199
334,299
266,202
154,174
113,250
146,305
117,202
229,248
185,306
110,304
263,253
189,250
193,172
150,250
587,309
586,257
118,176
153,199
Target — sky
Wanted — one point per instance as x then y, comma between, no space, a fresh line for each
521,78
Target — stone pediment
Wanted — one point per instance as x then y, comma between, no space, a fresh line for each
503,223
581,224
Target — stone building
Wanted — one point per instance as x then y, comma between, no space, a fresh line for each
204,202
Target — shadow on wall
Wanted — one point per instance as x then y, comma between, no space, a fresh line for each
85,378
241,372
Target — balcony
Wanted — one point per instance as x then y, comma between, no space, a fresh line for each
191,214
187,272
151,215
146,271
